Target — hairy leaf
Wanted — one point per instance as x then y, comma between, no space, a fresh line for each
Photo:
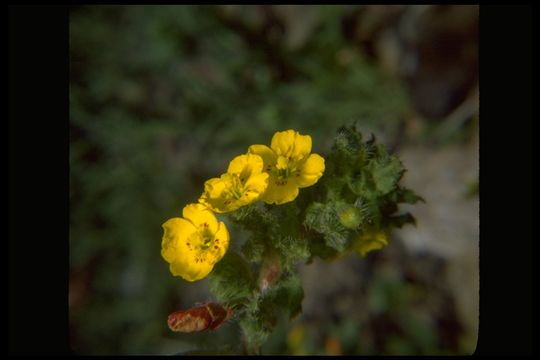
232,279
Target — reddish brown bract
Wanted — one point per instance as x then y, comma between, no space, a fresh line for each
206,317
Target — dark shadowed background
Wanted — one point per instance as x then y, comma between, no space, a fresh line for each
162,97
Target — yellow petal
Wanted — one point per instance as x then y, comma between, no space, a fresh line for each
199,214
220,204
302,146
175,235
190,270
214,187
253,189
279,193
212,195
247,198
371,240
282,163
283,142
267,154
246,165
310,171
257,183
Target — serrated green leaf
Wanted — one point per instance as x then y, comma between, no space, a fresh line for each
409,197
324,219
386,173
232,279
400,220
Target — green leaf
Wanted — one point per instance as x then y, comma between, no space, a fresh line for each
314,215
292,250
285,297
324,219
318,247
348,140
407,196
336,240
290,295
231,281
254,217
400,220
253,249
243,213
386,171
361,183
287,220
255,331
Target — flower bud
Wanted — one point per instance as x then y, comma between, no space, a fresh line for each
349,216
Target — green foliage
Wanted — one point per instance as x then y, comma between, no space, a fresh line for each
262,313
324,219
232,280
385,171
292,250
289,295
358,192
253,250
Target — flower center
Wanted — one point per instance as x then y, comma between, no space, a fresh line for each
283,169
206,238
201,240
203,244
236,188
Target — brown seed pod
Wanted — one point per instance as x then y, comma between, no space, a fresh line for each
209,316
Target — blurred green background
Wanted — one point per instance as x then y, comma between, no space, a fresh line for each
162,97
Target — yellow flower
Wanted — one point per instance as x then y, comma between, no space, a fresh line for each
371,239
290,165
192,245
243,184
